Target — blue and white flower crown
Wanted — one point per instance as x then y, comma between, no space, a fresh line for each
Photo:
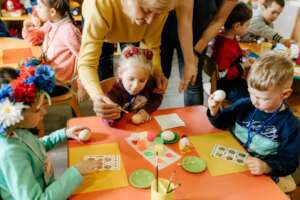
35,77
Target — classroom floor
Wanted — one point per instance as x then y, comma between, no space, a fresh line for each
57,117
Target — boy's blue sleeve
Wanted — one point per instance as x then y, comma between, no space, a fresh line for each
18,173
57,137
226,117
3,30
287,159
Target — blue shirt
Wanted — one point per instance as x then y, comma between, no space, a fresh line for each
277,142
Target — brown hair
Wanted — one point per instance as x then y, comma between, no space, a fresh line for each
7,74
272,70
268,3
240,14
61,6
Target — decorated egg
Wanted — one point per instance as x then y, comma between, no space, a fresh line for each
219,95
84,135
137,119
167,135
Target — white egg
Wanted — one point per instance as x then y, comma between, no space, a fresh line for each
137,119
84,135
167,135
219,95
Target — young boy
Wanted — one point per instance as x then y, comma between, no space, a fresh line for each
261,25
263,123
228,55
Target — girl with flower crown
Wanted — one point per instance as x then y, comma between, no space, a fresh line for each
60,40
26,172
134,89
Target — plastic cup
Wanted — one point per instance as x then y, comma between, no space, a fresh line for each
265,47
161,193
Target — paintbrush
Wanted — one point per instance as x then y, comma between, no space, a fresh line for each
156,172
170,180
122,109
174,188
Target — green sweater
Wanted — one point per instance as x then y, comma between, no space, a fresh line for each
21,168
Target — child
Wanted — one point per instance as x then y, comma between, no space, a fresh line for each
263,123
25,170
3,30
134,89
228,55
60,38
261,25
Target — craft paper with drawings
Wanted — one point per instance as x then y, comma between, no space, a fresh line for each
229,154
165,159
109,162
169,121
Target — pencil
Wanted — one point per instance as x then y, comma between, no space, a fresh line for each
156,172
174,188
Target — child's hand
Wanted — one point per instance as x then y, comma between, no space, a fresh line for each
140,117
74,131
248,62
28,24
257,166
286,42
215,102
86,167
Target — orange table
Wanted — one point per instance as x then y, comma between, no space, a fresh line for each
254,47
194,186
13,50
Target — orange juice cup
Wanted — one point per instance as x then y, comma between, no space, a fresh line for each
161,193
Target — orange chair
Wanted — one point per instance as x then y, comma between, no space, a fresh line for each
107,84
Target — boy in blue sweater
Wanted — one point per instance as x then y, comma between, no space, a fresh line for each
263,123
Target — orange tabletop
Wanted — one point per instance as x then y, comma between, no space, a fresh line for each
13,50
254,47
194,186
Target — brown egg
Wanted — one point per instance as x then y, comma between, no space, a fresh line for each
137,119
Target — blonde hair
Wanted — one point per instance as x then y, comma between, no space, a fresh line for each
132,55
130,6
272,70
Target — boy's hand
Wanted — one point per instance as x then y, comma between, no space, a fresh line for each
213,105
86,167
74,131
257,166
286,42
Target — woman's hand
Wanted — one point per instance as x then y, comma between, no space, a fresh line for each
105,108
161,82
190,73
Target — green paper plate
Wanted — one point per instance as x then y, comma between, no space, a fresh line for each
193,164
176,138
141,178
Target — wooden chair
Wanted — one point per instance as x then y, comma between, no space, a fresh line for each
107,84
210,68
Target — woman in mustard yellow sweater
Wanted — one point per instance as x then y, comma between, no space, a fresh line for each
126,21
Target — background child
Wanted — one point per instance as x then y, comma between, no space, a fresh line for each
60,38
3,30
228,55
263,123
22,153
134,89
261,25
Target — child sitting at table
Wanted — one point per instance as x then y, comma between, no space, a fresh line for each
229,56
263,123
3,30
60,40
133,90
261,25
26,172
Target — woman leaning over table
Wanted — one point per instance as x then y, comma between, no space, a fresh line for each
123,21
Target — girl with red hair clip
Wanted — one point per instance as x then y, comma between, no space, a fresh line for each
133,91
